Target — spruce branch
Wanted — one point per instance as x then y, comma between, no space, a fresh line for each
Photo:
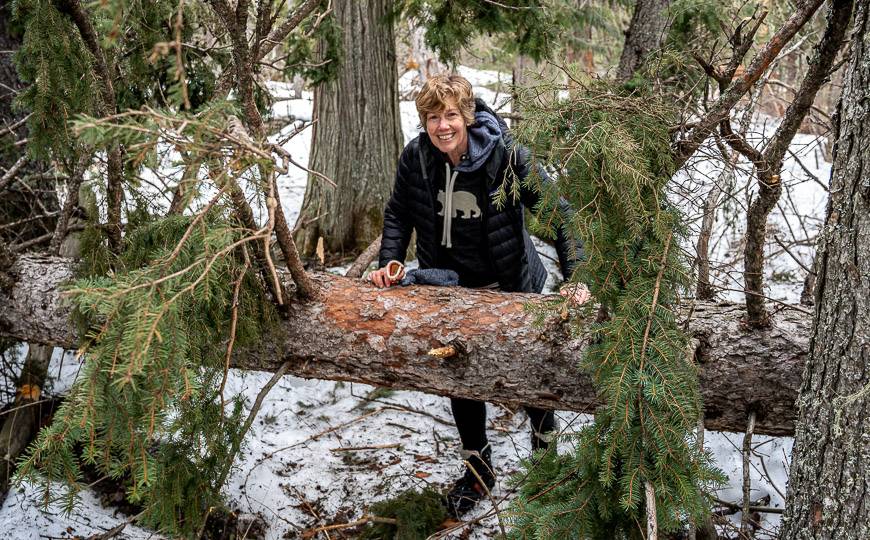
115,154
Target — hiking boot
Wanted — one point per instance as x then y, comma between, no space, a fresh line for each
471,487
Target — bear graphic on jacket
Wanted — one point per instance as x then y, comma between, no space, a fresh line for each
463,202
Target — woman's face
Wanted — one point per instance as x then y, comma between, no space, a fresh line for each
448,131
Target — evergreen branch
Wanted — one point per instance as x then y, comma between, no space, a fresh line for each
656,289
74,9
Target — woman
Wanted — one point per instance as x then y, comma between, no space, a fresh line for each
444,189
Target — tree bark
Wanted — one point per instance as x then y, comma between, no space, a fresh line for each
21,421
357,138
829,481
644,34
356,332
769,166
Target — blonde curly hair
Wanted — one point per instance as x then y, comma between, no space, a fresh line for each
438,90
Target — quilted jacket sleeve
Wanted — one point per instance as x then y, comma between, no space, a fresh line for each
398,222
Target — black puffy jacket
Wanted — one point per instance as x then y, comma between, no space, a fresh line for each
518,267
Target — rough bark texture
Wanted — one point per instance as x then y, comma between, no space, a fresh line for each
357,138
21,421
644,35
829,484
356,332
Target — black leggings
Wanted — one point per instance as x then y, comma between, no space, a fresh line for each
470,418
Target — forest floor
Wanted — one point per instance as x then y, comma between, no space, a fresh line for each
322,452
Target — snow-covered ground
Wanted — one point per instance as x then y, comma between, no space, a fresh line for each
320,452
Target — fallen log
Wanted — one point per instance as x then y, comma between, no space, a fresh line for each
356,332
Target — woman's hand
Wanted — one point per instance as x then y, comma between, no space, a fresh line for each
576,293
388,276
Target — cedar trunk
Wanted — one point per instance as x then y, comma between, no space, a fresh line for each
357,138
829,484
644,35
356,332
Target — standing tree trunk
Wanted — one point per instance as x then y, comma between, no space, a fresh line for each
357,138
768,163
645,34
830,472
21,422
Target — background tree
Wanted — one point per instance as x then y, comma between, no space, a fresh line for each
646,32
350,216
357,136
829,477
768,163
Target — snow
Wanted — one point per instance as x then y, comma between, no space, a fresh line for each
302,465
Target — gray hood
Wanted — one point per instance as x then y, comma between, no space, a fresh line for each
483,137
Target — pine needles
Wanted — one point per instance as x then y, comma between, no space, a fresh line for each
610,152
417,515
149,405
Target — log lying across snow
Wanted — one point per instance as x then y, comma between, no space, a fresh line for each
356,332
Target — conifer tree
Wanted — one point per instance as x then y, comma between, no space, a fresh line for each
163,312
150,403
611,151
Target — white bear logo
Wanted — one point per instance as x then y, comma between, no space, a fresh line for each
463,203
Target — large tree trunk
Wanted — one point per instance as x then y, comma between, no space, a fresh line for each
644,34
359,333
357,138
829,484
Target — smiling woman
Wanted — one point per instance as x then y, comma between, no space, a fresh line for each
444,189
446,109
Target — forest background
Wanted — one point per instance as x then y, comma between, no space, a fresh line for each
120,149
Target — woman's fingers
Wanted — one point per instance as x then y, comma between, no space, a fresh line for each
577,294
379,278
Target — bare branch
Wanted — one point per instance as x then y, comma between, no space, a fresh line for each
686,147
279,34
9,176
